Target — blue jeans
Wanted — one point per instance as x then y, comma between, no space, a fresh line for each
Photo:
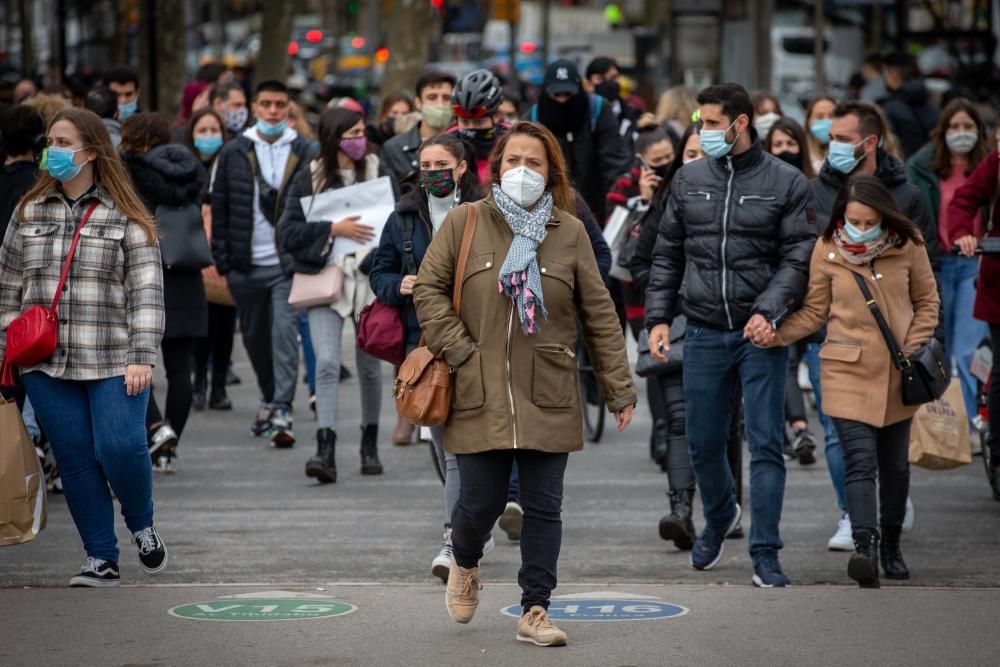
831,441
714,362
98,435
962,333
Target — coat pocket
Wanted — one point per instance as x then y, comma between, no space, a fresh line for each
37,241
840,351
554,383
100,247
469,393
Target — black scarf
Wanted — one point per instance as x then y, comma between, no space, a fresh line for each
564,117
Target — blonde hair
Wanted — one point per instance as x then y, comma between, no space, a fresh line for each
677,105
109,172
48,104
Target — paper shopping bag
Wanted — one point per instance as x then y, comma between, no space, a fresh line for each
939,438
22,484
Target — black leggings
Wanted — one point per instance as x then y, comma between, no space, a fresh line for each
679,472
876,454
795,402
218,344
178,356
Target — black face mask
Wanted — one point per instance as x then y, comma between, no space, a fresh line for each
662,171
482,140
609,90
794,159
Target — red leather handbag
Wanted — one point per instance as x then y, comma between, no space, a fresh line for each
381,332
34,335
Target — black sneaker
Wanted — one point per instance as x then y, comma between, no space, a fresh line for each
97,573
804,447
708,548
262,423
152,551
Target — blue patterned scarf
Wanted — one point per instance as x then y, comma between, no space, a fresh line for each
520,279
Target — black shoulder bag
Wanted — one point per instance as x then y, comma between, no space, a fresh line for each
925,373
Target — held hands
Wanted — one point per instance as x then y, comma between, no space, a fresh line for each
350,228
759,332
648,183
138,377
406,285
624,418
967,245
659,342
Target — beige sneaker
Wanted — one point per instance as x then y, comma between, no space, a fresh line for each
537,628
462,596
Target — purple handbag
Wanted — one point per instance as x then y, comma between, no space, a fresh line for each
381,332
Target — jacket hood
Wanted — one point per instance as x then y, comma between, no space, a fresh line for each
170,175
287,137
889,170
414,201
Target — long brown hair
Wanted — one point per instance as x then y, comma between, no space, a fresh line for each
109,172
142,132
558,183
333,124
942,154
870,191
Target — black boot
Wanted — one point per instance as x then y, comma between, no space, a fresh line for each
863,566
892,557
995,479
370,465
678,526
200,388
658,442
323,466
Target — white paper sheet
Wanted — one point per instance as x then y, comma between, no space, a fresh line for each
373,201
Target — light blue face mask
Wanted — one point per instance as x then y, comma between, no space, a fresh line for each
841,156
271,129
208,145
60,165
713,142
859,236
126,110
820,129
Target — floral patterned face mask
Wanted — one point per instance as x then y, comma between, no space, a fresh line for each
438,182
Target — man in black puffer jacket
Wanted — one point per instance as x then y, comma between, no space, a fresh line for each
248,196
910,110
733,256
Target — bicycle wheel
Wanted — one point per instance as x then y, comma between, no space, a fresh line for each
593,411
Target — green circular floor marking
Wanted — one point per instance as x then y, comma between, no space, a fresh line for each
262,609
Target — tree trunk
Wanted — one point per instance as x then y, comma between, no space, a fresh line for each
25,9
276,30
170,51
409,24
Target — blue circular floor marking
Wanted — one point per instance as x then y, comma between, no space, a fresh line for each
607,609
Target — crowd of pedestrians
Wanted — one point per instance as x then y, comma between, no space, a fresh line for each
755,245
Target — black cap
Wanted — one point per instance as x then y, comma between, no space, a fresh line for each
562,76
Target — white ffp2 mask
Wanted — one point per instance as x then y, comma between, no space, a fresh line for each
525,186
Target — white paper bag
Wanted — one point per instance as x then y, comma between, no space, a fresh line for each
373,201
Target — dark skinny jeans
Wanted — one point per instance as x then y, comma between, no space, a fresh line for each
485,477
178,360
876,455
218,344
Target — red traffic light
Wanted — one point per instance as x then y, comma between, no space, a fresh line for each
314,36
358,42
293,48
382,56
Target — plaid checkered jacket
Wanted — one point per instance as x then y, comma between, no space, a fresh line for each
111,312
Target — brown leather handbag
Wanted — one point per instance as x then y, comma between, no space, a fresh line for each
423,386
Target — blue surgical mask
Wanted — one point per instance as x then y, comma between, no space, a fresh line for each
841,156
271,129
820,129
60,165
859,236
713,142
208,145
126,110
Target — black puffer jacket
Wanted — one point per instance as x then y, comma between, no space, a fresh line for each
171,176
912,115
824,189
735,240
232,201
399,158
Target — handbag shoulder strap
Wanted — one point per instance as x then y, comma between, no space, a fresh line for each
463,257
898,358
69,256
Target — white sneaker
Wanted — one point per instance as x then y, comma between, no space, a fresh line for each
163,436
425,434
909,518
511,520
441,564
842,540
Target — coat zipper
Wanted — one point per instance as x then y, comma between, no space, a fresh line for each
701,193
755,198
725,238
510,392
